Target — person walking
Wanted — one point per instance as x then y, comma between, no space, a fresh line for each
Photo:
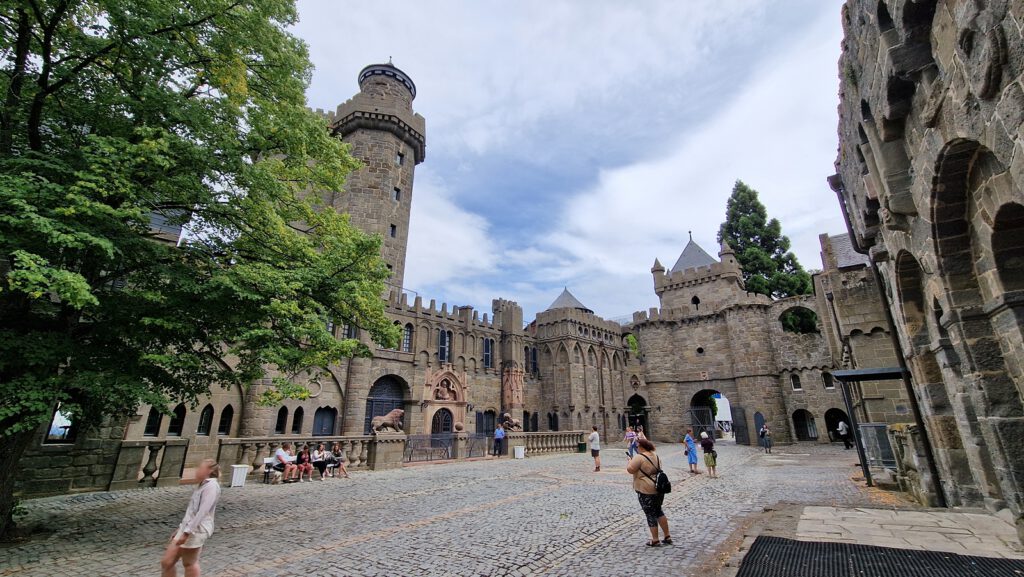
691,452
844,433
595,448
499,440
197,525
710,455
644,466
630,440
766,438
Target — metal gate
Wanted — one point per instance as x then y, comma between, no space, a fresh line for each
702,420
739,426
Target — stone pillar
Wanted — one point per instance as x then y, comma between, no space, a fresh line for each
460,445
513,440
357,388
387,451
172,463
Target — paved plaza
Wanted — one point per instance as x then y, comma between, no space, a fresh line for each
546,515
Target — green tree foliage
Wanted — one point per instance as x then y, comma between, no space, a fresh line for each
116,112
761,248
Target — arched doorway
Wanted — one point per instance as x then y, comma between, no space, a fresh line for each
711,413
758,421
833,417
804,425
441,423
386,395
637,416
323,421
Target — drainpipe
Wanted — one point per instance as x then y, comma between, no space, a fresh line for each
835,182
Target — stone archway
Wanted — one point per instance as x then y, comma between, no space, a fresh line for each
387,394
833,417
805,426
638,412
983,327
442,422
445,388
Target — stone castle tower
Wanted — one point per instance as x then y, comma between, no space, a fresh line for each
389,139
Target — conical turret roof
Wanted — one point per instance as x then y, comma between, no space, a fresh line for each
566,300
693,256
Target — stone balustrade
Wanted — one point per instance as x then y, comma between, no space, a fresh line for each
252,450
541,443
155,463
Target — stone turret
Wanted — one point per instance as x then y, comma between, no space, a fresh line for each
389,139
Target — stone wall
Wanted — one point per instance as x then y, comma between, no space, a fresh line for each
85,465
929,175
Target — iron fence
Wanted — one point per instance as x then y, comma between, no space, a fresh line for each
429,447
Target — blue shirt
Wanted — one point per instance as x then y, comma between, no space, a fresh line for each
499,433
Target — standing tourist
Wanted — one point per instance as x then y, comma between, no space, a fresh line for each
595,448
197,525
844,433
499,440
766,438
710,455
691,452
644,466
630,440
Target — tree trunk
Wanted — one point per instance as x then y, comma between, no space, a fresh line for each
12,448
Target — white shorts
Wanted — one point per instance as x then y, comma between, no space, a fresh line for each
195,540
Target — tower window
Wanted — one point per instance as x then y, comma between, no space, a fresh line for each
397,194
795,380
394,231
399,159
827,379
695,302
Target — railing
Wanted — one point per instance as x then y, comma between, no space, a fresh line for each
252,450
429,447
478,445
550,442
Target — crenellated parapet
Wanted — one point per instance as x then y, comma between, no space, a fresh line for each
467,316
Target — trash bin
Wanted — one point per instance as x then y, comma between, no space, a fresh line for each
581,447
238,474
520,452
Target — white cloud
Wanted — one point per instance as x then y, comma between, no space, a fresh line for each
445,241
776,135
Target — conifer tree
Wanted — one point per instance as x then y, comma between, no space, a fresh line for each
762,250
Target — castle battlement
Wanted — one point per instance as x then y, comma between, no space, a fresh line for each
398,302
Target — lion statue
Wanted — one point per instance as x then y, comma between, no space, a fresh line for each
510,424
392,420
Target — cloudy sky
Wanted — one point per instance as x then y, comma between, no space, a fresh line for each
570,143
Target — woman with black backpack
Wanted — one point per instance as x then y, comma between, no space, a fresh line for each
651,484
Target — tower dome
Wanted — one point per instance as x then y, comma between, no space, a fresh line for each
388,70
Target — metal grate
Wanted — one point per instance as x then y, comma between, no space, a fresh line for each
777,557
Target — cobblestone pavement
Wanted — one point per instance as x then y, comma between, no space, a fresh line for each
546,515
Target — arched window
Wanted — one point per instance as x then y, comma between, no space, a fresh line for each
795,380
828,381
386,395
1008,246
282,421
226,416
61,429
205,421
407,339
534,366
800,320
177,423
153,422
488,356
695,301
444,346
323,421
297,421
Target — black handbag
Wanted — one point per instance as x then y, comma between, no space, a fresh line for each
661,483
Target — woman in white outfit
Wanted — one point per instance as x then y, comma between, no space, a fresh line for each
197,526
